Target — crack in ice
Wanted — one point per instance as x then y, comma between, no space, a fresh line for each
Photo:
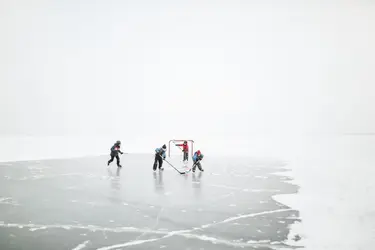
245,216
154,227
187,233
34,227
82,245
130,243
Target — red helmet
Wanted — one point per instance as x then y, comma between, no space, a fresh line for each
198,152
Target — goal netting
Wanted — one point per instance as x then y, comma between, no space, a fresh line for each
175,151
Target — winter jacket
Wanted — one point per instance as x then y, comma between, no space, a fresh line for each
115,149
185,148
161,152
197,157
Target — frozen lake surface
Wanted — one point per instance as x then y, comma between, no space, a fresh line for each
81,203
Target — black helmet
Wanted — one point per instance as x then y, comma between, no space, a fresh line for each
185,142
164,146
118,142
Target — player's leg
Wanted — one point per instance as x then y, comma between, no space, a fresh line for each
160,163
118,161
111,160
155,163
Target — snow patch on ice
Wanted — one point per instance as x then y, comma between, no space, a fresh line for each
336,181
258,241
261,177
37,228
8,201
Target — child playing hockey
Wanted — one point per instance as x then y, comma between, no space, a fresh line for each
159,157
197,157
114,153
185,150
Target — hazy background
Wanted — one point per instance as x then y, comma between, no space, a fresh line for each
288,79
239,77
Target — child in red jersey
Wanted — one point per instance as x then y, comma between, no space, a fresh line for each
185,150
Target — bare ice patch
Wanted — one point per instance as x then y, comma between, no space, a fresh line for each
188,233
245,189
4,164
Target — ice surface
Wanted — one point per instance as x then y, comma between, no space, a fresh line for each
82,245
83,204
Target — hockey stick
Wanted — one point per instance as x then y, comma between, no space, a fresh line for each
192,166
177,146
175,168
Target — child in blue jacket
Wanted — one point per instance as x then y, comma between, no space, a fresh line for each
159,157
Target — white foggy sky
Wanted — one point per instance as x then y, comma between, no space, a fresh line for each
186,69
